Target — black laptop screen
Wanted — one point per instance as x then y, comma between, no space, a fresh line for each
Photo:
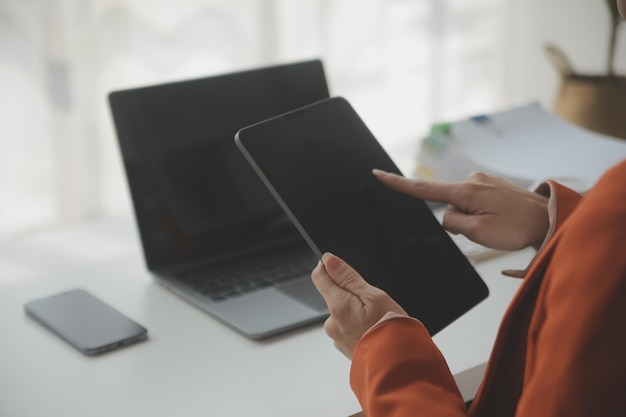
195,197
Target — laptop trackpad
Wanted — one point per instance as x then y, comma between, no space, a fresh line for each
305,292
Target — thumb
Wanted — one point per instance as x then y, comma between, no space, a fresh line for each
343,274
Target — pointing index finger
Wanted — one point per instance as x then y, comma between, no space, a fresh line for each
426,190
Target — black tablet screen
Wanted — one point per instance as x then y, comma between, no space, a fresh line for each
318,162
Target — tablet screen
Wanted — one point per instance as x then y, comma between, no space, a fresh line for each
317,161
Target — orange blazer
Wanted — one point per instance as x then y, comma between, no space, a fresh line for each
561,346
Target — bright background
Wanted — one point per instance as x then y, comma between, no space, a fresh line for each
403,64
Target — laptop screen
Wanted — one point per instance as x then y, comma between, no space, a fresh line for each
194,195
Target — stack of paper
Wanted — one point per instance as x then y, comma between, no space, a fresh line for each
524,145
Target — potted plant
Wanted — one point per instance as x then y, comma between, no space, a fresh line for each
594,101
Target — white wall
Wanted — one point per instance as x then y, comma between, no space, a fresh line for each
404,64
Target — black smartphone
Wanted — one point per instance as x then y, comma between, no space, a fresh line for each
86,322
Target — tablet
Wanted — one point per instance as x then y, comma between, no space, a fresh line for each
317,161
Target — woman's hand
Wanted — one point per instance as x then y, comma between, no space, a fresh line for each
354,305
486,209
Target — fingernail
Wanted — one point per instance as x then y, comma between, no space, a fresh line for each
326,257
378,172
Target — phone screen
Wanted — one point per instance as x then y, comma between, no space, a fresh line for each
85,322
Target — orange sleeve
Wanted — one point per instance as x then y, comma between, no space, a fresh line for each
576,356
398,371
562,202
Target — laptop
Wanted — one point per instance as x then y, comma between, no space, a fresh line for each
210,230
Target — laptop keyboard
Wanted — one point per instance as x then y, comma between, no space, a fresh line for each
252,274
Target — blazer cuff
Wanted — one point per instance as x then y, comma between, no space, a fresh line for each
561,202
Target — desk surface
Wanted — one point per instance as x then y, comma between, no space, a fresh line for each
191,365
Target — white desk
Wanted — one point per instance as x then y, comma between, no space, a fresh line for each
191,365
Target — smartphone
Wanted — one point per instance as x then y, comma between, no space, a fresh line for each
85,322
